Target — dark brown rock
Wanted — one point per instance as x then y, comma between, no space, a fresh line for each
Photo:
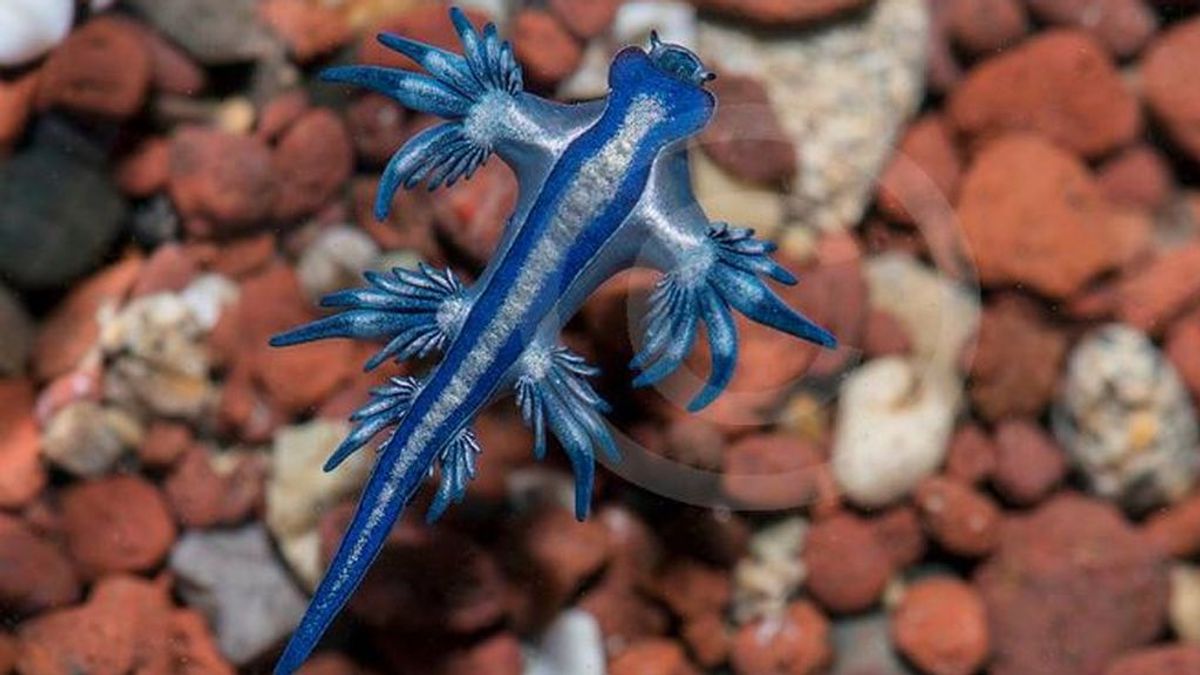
312,162
776,13
983,26
220,182
1029,464
1016,361
972,455
102,69
1176,659
425,580
772,471
1123,26
1049,614
745,137
36,574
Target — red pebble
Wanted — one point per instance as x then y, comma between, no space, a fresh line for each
692,590
772,471
22,475
309,29
544,47
1029,464
965,522
1150,298
983,26
1061,84
972,455
72,329
377,127
1124,26
1071,587
653,657
1016,360
222,179
1138,177
1172,659
941,626
1167,73
798,643
312,162
144,171
898,530
429,23
103,68
16,103
37,575
280,113
586,19
847,566
921,181
117,524
168,270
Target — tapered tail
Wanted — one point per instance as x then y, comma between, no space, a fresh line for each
393,481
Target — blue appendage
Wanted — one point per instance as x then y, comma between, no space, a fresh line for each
453,89
726,278
415,310
553,391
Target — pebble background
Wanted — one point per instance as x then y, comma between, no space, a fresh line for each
995,204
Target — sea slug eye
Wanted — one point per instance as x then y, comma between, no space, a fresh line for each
678,62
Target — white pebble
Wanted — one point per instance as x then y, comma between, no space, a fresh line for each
30,28
893,430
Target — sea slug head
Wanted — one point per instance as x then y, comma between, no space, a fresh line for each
679,62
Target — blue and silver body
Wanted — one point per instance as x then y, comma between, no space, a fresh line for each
604,185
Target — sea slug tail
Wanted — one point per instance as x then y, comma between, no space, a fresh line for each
389,488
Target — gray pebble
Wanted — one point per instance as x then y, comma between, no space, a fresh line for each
234,578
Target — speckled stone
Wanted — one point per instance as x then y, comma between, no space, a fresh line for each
842,92
1126,419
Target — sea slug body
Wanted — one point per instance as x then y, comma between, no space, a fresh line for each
604,185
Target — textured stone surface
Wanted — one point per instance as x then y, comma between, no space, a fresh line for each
1032,214
1061,84
1127,420
234,578
1050,615
841,94
81,201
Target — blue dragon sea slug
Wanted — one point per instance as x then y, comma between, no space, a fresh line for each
604,185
